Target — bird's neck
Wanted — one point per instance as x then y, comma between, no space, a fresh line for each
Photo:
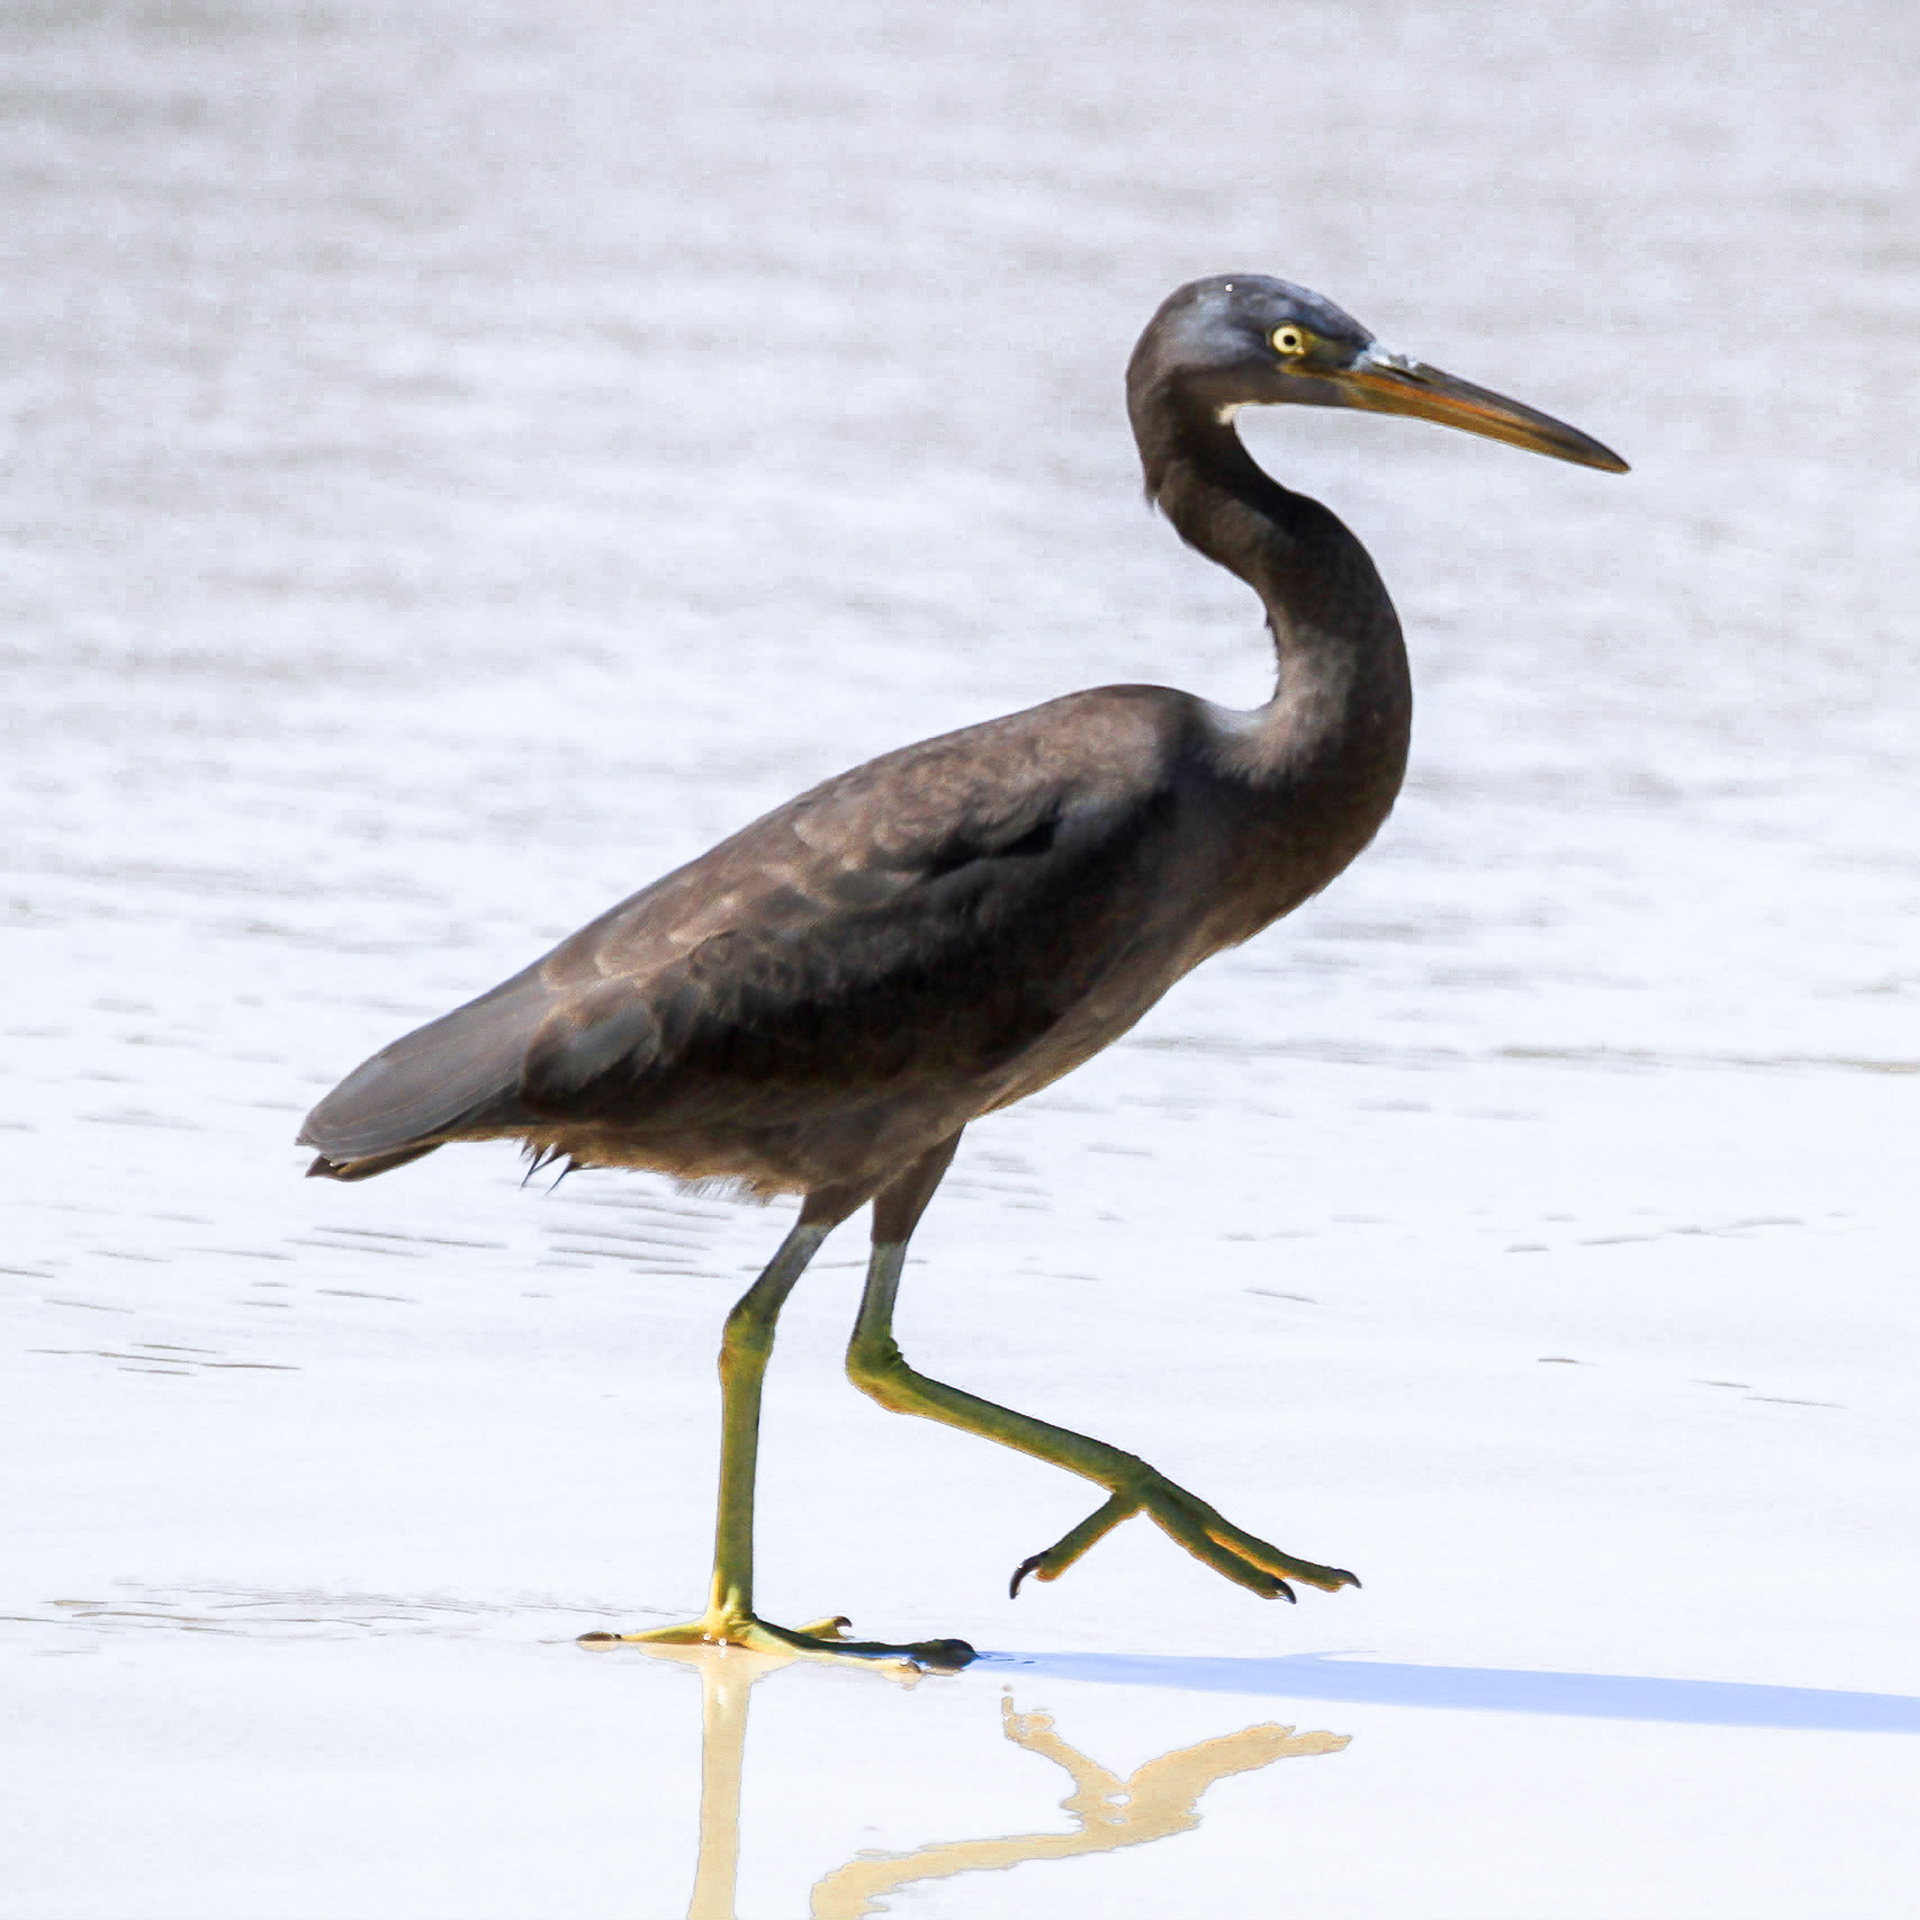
1342,704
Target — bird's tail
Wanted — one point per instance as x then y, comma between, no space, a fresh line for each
458,1075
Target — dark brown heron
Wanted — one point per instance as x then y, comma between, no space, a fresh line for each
820,1004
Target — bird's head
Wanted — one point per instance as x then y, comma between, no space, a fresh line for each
1246,340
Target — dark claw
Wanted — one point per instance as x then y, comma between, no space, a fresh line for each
944,1656
1282,1591
1020,1573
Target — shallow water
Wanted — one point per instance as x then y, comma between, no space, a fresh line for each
463,461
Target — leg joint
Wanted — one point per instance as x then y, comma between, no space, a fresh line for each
747,1338
879,1370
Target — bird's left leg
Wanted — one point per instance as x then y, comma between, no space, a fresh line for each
745,1348
875,1363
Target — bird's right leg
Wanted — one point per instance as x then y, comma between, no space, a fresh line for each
878,1368
745,1348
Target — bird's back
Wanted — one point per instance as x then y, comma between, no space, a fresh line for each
849,978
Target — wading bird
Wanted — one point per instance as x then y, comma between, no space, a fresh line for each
821,1003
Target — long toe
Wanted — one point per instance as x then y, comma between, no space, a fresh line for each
925,1656
826,1640
1241,1556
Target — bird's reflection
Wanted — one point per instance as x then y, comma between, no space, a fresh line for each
1155,1801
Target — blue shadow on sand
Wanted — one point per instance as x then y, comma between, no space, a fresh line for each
1586,1696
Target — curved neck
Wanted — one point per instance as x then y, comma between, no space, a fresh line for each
1342,707
1326,605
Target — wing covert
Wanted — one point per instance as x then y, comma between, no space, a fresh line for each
925,917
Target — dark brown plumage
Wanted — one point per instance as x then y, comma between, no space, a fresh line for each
821,998
822,1002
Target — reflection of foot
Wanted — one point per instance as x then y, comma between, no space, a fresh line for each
818,1640
1197,1527
1155,1801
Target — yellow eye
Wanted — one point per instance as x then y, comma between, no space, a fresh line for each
1291,341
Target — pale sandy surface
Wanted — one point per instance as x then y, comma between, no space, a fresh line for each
462,461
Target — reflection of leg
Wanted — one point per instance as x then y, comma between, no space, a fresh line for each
725,1681
1159,1799
745,1348
728,1676
875,1363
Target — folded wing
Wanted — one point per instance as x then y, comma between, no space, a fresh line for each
913,924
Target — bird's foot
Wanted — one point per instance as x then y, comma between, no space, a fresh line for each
1198,1528
818,1640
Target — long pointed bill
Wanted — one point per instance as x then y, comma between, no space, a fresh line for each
1384,382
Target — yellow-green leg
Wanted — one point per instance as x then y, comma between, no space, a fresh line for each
730,1620
875,1364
